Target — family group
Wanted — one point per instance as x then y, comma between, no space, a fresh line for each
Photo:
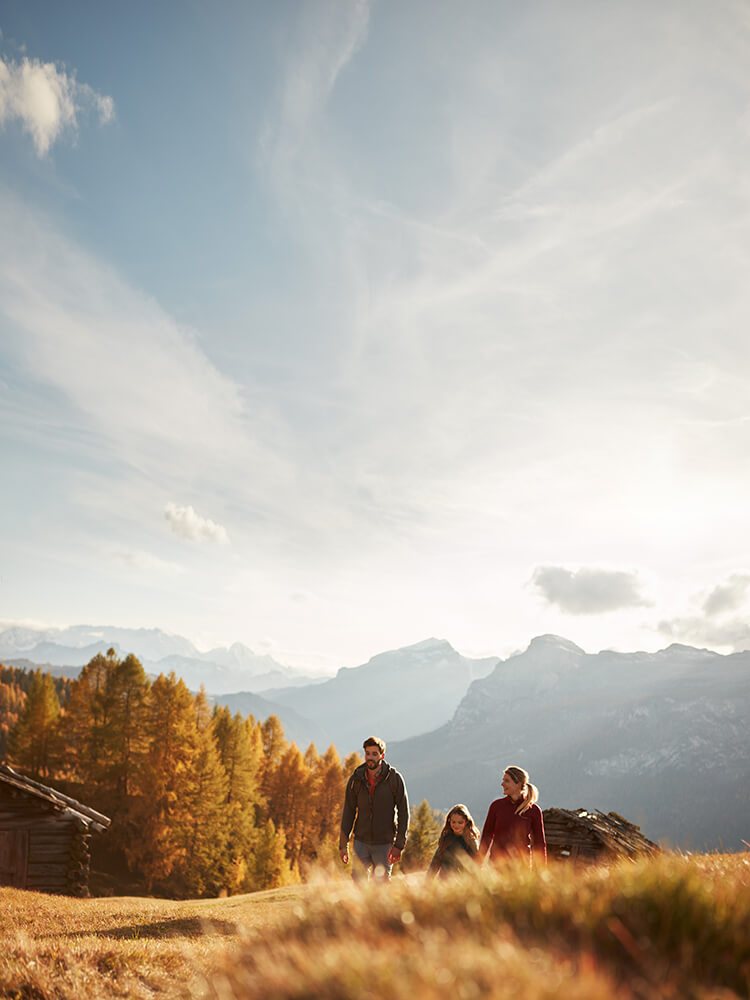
376,810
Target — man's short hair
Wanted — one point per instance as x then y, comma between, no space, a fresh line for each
373,741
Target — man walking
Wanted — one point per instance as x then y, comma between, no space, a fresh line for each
377,806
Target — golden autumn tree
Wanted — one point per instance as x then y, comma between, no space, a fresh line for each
30,743
269,866
240,748
101,743
81,759
123,743
202,840
161,811
274,746
290,797
329,784
329,792
12,703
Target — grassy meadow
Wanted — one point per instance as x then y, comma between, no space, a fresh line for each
672,926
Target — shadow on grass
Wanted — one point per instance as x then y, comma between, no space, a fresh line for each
180,927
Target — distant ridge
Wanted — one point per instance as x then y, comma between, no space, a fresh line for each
661,738
395,694
220,670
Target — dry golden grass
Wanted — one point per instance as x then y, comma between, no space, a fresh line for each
669,927
55,947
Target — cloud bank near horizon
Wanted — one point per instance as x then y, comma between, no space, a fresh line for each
588,591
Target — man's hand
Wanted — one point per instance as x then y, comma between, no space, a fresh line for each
344,855
394,855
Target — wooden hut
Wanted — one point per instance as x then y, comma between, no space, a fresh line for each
44,836
590,835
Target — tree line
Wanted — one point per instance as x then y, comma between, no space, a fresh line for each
201,801
15,683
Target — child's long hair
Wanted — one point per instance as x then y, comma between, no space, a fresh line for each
529,792
471,831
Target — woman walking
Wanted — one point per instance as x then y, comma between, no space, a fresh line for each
514,827
458,844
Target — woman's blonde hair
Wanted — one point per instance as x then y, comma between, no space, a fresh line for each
529,792
471,830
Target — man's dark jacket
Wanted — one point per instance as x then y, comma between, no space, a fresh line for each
374,819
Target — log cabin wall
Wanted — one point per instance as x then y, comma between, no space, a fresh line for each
42,847
566,842
591,836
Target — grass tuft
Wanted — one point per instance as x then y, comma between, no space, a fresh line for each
670,926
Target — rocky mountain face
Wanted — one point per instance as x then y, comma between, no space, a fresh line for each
661,738
394,695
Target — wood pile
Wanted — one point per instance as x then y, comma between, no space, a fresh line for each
44,836
591,835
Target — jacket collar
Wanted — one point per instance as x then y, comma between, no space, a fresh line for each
361,772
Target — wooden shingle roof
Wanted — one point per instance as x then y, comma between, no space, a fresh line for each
80,813
610,830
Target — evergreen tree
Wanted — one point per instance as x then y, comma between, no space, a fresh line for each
31,740
161,812
350,762
312,757
289,799
269,867
83,759
240,748
424,831
12,704
202,841
329,786
274,745
126,691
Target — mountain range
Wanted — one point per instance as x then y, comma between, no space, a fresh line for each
401,692
396,694
221,670
661,738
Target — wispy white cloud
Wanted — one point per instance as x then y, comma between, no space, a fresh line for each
588,591
187,524
327,36
513,331
521,325
141,382
144,562
47,100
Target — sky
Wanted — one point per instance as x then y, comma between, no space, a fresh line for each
327,327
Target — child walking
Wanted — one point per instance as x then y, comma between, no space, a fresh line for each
458,844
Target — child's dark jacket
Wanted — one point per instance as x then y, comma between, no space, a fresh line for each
456,854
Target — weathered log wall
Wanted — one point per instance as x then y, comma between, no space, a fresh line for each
566,842
592,835
58,856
